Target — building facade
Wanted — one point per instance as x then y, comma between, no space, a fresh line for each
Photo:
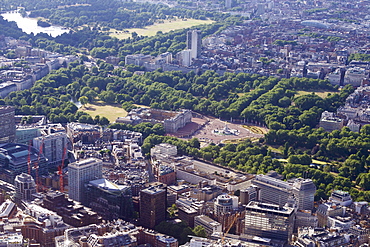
25,186
277,192
110,200
269,221
7,124
153,205
52,147
80,173
194,42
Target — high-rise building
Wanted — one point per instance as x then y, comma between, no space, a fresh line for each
25,186
276,191
269,221
252,193
194,42
185,57
80,173
153,205
53,147
7,124
225,203
111,201
304,191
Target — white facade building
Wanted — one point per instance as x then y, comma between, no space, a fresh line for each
82,172
53,147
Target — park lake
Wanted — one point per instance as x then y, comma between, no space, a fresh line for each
29,25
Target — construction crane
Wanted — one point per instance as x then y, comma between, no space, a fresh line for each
29,158
228,229
37,166
60,171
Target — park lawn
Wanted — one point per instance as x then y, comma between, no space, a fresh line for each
319,162
110,111
255,129
153,29
321,93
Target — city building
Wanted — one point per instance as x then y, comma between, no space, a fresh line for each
153,238
12,239
194,43
341,197
8,210
109,200
7,124
275,191
42,225
166,174
117,238
252,193
137,59
153,205
14,161
171,120
80,173
329,121
225,204
163,149
53,147
84,133
269,221
187,214
25,187
326,210
185,58
72,212
210,225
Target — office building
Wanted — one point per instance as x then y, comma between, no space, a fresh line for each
304,192
275,191
14,161
164,149
137,59
152,238
153,205
210,225
185,58
25,186
111,201
53,147
72,212
329,121
80,173
252,193
194,43
7,124
225,203
269,221
42,225
341,197
328,209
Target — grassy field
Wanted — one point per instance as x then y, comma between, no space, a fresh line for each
153,29
237,141
320,93
104,110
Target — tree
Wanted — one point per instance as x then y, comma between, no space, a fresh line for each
103,121
194,142
200,231
83,100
